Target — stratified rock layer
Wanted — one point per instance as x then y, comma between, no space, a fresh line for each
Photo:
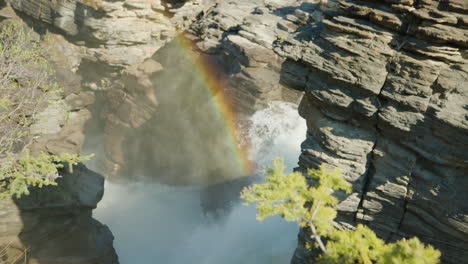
241,34
386,100
113,43
54,224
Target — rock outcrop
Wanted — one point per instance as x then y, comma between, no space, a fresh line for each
54,224
241,34
112,33
114,41
386,100
386,95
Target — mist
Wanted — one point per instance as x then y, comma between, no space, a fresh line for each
179,202
156,222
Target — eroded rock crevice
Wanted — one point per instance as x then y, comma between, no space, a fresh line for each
394,203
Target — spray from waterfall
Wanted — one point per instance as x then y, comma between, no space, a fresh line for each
204,72
168,224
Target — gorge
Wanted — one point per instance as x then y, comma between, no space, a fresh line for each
383,92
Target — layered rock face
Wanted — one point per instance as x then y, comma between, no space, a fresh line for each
114,41
113,33
386,99
54,224
386,94
241,35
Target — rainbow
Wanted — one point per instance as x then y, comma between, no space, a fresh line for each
216,88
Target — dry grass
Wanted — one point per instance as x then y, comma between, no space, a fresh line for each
6,256
25,87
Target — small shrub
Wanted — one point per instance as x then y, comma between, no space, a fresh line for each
93,3
280,37
26,87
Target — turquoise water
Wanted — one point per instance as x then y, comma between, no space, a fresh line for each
157,223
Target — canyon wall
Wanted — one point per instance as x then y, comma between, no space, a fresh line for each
54,224
384,82
110,45
386,95
386,100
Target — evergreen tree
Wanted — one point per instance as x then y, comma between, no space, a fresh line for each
313,207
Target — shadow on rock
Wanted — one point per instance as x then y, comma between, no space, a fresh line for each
54,224
217,200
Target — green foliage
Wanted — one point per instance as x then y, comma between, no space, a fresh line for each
410,251
280,37
26,88
35,171
282,195
349,247
4,103
286,195
290,196
93,3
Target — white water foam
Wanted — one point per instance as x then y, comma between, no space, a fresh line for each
276,131
155,223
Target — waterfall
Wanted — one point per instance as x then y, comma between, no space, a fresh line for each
157,223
